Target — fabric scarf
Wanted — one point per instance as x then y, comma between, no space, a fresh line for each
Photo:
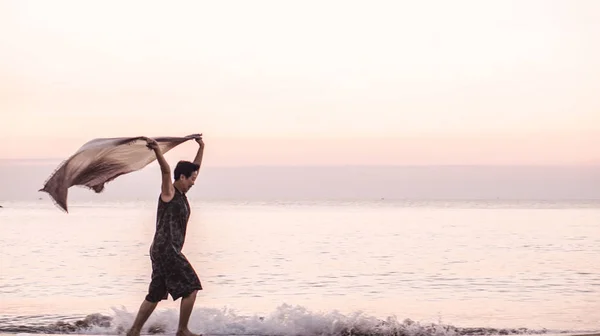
100,161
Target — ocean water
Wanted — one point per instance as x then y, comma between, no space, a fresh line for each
310,267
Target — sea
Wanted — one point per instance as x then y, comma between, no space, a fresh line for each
307,266
304,268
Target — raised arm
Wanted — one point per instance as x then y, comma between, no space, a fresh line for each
167,190
200,153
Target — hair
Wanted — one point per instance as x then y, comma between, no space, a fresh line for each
185,168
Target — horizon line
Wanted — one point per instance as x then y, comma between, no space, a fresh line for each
340,165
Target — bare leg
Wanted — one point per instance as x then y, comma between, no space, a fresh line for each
145,311
187,305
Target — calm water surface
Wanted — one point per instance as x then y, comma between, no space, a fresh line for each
466,264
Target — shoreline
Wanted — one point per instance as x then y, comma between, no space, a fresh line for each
208,334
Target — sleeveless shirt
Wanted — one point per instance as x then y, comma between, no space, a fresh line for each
171,224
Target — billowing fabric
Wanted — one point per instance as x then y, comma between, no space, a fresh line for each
102,160
172,273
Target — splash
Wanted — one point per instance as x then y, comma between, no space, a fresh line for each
286,320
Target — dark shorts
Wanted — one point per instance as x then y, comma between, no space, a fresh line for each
172,274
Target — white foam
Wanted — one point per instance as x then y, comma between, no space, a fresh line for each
286,320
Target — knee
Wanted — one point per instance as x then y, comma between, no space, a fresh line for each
191,295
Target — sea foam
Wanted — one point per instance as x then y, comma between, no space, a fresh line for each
285,320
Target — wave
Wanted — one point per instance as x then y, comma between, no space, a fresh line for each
286,320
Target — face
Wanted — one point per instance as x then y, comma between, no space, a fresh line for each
188,183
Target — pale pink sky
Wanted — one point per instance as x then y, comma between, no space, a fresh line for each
334,82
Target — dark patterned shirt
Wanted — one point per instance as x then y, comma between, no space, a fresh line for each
171,224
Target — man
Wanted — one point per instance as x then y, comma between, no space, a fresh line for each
171,271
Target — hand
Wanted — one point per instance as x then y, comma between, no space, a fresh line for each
151,143
199,140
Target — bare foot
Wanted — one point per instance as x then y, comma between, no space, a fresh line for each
186,332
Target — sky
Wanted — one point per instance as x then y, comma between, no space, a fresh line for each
306,82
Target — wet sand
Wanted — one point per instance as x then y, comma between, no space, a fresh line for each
7,334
